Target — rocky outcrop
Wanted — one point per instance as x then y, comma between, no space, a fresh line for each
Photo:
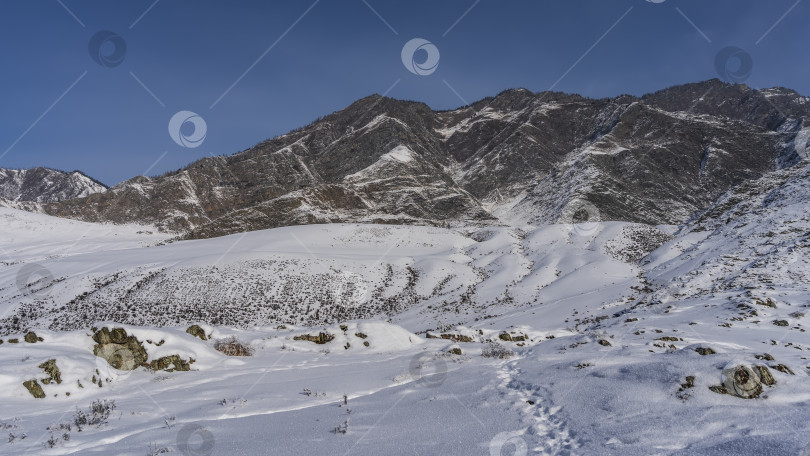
124,352
120,350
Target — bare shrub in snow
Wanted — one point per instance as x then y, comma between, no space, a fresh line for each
232,346
496,350
97,415
342,429
154,450
309,393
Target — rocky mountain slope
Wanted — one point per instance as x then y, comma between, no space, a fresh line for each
752,241
44,185
520,157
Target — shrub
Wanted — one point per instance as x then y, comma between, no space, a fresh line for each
342,428
233,347
97,415
496,350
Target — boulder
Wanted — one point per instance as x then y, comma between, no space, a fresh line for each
744,381
197,331
34,388
120,350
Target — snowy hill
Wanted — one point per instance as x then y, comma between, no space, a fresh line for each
315,274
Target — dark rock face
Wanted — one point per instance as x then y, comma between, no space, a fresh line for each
43,185
519,157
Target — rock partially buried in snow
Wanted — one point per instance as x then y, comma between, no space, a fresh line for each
321,338
783,369
197,331
744,381
170,364
34,388
50,368
765,375
120,350
32,338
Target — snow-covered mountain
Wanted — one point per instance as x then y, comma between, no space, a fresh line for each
443,314
44,185
519,157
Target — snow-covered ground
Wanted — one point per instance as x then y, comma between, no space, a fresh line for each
603,336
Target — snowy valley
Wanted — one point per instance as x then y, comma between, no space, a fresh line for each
570,338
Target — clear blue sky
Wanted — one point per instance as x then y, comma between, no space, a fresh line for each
189,52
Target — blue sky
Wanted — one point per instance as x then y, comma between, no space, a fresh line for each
61,109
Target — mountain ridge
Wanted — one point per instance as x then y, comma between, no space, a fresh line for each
46,185
518,157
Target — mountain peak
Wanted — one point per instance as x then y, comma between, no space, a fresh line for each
46,185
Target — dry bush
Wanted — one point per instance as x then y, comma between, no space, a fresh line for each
232,346
495,350
97,415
